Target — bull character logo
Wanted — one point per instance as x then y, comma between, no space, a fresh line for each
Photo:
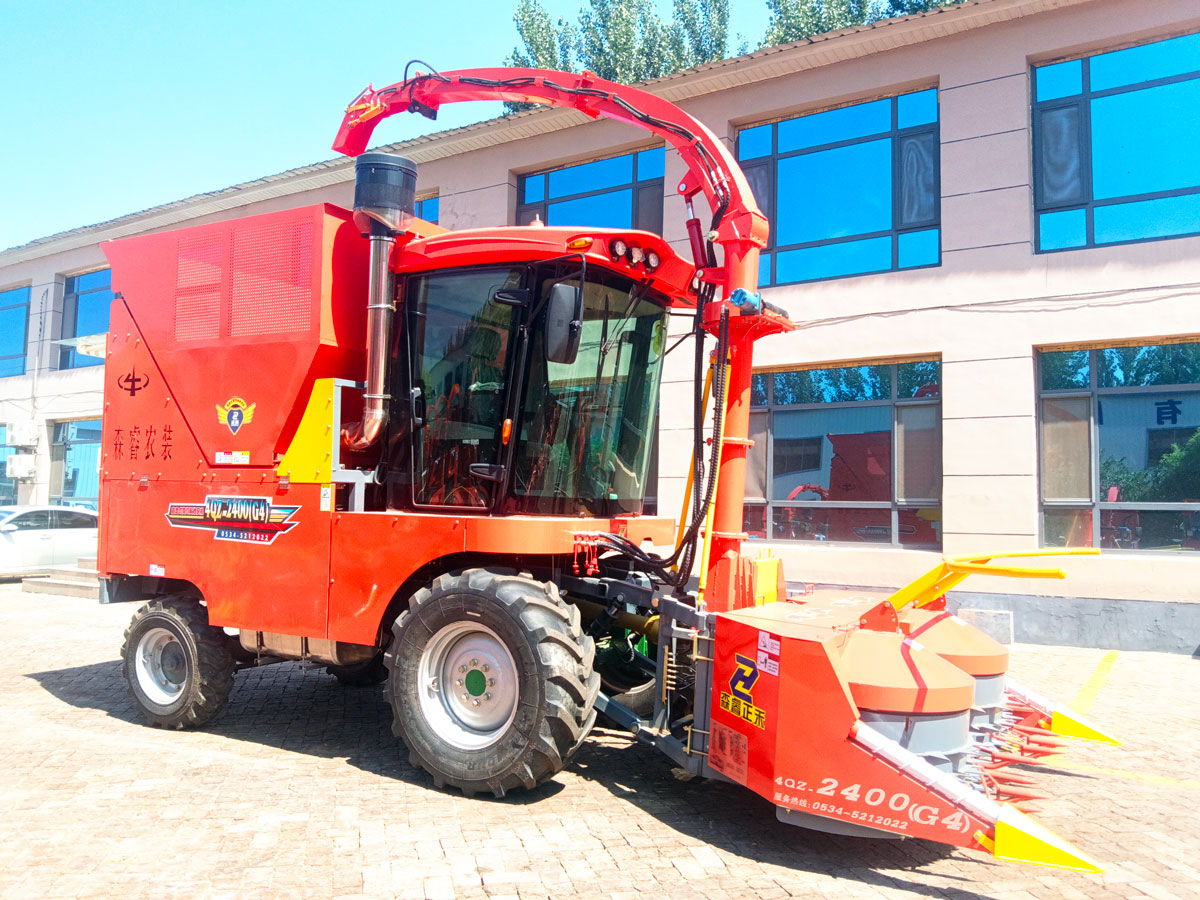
235,413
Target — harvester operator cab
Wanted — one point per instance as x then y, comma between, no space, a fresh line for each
524,388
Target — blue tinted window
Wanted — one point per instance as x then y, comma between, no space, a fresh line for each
754,142
535,188
869,171
1162,59
92,315
430,209
85,313
93,280
847,123
593,176
651,163
1133,144
918,108
1146,141
12,365
611,210
764,269
610,198
1059,80
12,330
834,193
833,260
918,248
1060,230
1164,217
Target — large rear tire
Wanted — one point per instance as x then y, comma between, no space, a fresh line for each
178,668
490,680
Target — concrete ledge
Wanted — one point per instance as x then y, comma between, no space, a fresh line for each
995,623
1162,625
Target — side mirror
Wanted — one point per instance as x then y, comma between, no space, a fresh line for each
564,323
7,529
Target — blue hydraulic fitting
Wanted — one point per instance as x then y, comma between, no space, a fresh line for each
749,302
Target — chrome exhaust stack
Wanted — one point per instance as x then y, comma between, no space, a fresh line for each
385,188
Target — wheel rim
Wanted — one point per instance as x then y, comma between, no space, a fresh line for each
161,666
468,685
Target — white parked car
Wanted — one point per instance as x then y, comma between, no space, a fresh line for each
38,538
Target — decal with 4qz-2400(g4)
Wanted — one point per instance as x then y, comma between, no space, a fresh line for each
251,520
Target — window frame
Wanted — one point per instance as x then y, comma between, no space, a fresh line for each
770,162
897,502
61,444
69,357
8,301
635,186
1094,392
8,486
1082,102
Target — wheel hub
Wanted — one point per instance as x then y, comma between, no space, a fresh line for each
470,688
160,665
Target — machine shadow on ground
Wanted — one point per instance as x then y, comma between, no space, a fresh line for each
304,710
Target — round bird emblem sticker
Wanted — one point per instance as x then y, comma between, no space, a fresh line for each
235,413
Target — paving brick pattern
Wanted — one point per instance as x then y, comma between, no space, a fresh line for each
299,790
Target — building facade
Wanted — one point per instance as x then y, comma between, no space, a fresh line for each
985,221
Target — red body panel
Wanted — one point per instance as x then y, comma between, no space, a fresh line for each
247,310
794,745
253,311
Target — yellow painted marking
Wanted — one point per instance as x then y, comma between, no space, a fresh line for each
1145,778
1087,694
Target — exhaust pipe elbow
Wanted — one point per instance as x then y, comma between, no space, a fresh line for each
384,187
361,435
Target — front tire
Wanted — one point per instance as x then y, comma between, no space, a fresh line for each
491,681
178,668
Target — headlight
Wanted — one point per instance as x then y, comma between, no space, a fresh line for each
617,248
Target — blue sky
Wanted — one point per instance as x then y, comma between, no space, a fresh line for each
109,108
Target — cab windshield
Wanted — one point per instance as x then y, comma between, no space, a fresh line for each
587,427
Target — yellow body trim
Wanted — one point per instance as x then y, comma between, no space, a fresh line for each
1068,723
1021,839
952,572
766,578
309,457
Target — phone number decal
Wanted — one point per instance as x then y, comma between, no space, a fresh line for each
902,808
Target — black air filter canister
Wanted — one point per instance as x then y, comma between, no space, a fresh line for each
385,187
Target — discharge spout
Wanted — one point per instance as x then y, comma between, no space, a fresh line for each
384,192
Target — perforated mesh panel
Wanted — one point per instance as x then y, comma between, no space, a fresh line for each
272,283
198,289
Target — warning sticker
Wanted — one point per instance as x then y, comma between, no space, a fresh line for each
728,752
768,644
768,664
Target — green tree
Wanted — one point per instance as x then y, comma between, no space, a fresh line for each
548,44
795,20
1178,474
621,40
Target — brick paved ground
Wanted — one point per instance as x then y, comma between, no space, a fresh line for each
299,790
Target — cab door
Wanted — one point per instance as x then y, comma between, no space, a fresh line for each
462,326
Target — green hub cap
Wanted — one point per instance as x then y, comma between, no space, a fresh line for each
476,682
469,685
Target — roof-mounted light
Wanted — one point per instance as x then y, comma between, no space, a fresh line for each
617,248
